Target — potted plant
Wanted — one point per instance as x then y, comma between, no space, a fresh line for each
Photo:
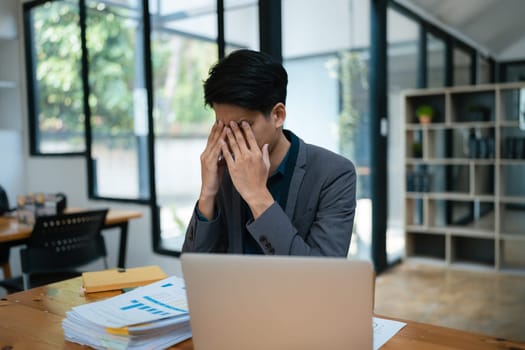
424,114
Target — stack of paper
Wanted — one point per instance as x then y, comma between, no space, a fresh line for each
150,317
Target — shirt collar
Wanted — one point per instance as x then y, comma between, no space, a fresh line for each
281,169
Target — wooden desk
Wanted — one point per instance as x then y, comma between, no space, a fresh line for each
42,309
14,233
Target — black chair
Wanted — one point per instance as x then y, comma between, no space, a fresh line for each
58,245
4,260
4,248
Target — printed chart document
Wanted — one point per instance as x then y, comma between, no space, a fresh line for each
384,330
150,317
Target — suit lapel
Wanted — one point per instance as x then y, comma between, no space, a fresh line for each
297,180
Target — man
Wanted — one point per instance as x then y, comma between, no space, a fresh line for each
265,191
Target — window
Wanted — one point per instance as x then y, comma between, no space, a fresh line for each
484,71
435,61
117,100
462,63
327,102
403,73
514,71
55,93
184,46
184,36
241,24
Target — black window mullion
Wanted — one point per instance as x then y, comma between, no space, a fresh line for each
449,61
474,67
378,140
32,92
221,41
422,58
270,28
492,70
148,81
91,165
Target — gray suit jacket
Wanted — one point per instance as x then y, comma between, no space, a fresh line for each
317,220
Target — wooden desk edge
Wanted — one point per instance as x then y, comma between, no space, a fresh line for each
11,230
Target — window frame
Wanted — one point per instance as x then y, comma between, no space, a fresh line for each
31,83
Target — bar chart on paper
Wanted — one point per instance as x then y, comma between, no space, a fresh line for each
153,317
166,298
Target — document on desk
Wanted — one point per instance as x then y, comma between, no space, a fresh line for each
154,316
384,330
166,298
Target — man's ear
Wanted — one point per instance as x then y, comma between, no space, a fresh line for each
278,114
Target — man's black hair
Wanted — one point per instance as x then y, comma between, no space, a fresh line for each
248,79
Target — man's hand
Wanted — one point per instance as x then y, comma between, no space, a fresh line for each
248,166
212,170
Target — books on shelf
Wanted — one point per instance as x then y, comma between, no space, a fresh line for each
151,317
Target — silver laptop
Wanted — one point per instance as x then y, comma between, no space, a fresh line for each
247,302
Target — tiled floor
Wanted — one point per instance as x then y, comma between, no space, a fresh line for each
481,302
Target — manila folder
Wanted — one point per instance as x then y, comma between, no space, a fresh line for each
113,279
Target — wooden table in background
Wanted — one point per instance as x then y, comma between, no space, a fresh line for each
32,320
14,233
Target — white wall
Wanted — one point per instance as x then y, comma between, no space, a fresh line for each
514,52
12,170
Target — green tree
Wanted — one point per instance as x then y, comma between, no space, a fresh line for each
111,53
58,53
113,76
352,74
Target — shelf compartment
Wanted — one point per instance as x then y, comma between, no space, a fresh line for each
472,250
512,219
511,252
512,143
423,177
466,142
512,180
511,100
471,107
436,101
414,144
470,216
424,244
483,183
414,212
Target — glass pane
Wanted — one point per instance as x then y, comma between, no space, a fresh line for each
515,72
462,63
117,100
59,110
484,71
435,61
402,38
241,24
183,49
327,103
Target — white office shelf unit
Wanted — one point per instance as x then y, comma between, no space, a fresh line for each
465,177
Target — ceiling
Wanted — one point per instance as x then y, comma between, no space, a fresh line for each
496,27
